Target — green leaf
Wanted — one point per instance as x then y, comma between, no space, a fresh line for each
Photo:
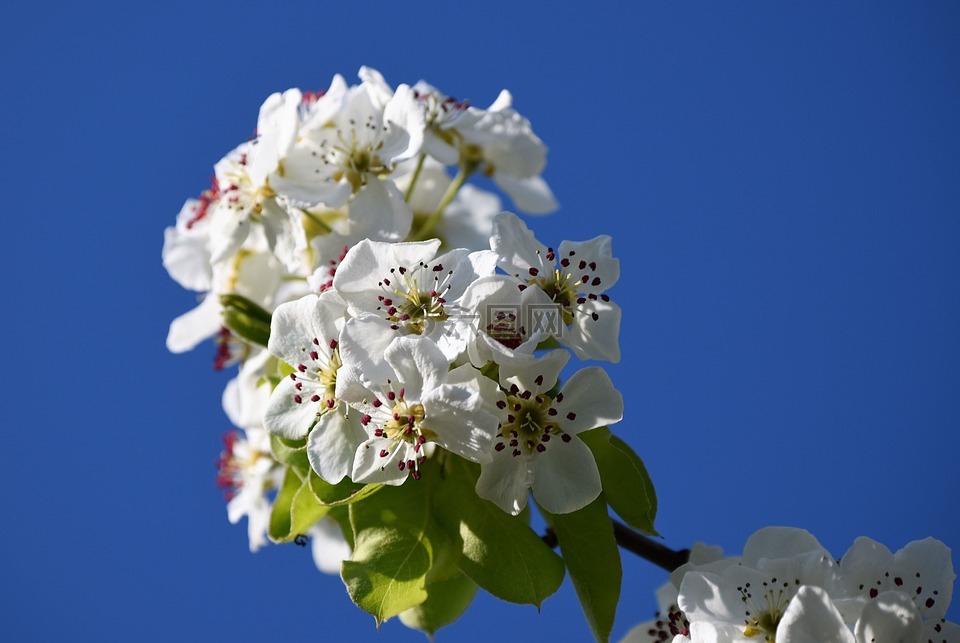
294,510
500,552
393,551
342,493
250,328
626,484
446,600
590,551
250,309
291,452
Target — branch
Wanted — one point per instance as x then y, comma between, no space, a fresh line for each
644,547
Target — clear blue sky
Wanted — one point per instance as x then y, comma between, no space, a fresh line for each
783,188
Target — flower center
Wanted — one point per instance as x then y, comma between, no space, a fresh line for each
411,301
530,424
763,617
320,374
403,426
562,289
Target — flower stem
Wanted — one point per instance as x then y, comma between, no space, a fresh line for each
416,175
458,181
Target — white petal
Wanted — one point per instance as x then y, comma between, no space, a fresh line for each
505,481
406,122
194,326
186,258
285,416
370,466
526,374
378,211
462,426
779,542
889,618
296,324
594,260
228,231
591,338
566,477
363,342
590,396
531,195
285,235
811,618
519,250
418,363
333,444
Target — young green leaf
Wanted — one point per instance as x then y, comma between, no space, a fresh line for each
590,552
446,600
500,552
295,509
342,493
291,452
626,484
392,550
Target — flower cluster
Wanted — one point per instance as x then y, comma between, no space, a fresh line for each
386,317
400,345
787,587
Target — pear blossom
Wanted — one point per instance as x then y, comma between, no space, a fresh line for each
442,114
538,448
248,472
508,327
246,194
347,154
670,623
305,334
575,277
498,139
761,595
910,589
420,406
185,255
406,289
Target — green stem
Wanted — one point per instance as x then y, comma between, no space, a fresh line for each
458,181
416,175
316,220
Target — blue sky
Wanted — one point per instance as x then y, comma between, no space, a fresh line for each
783,188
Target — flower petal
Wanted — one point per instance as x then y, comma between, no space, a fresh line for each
589,400
566,477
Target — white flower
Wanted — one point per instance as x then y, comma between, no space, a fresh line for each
405,289
538,448
185,254
509,326
920,575
670,623
305,334
782,589
512,154
575,278
247,197
248,472
420,405
356,145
